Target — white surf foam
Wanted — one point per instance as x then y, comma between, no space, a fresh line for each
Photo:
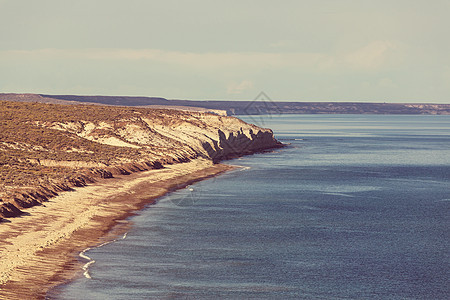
86,265
244,168
90,260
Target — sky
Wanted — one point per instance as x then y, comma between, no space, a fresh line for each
299,50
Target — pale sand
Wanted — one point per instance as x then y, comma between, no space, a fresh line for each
39,250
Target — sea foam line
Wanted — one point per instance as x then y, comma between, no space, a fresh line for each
90,260
86,269
86,266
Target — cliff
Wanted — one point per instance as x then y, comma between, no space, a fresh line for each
49,148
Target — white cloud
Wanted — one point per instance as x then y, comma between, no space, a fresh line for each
210,60
238,88
371,56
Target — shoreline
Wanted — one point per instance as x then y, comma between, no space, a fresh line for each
40,250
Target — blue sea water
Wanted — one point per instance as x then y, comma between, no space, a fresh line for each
357,207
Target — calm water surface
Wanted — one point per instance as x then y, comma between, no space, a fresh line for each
356,208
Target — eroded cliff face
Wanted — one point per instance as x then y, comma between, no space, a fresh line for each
46,149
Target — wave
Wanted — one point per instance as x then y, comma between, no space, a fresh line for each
86,265
86,269
443,200
90,260
339,194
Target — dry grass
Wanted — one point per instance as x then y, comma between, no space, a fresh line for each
25,138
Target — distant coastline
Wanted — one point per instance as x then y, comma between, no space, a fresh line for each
254,107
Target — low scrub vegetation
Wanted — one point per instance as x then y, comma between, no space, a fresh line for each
27,139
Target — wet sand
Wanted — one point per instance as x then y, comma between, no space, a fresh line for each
40,250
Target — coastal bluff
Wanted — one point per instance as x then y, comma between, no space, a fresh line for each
49,148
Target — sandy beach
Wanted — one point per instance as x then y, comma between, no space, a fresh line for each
40,249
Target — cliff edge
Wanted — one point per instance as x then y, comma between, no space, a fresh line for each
49,148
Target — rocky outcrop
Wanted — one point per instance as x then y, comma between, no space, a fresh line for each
238,143
84,144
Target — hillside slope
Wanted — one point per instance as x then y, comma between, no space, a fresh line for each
48,148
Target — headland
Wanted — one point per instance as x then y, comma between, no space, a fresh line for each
71,174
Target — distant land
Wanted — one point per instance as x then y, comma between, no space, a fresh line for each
254,107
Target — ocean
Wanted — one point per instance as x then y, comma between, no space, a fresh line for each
356,207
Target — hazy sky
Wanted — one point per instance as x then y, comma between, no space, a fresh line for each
304,50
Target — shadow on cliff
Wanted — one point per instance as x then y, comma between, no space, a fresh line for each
239,144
